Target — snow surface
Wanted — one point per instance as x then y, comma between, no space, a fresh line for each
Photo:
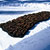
38,41
26,7
7,42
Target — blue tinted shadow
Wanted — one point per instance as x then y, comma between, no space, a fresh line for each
47,48
13,12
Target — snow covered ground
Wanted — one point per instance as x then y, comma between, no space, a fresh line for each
38,37
26,7
39,41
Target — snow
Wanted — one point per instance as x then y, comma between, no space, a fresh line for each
38,41
1,0
38,37
26,7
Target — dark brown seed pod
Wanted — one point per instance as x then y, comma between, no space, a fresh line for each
18,27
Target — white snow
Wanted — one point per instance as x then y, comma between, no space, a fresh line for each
5,39
38,41
26,7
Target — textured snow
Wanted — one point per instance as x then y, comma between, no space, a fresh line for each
36,39
26,7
